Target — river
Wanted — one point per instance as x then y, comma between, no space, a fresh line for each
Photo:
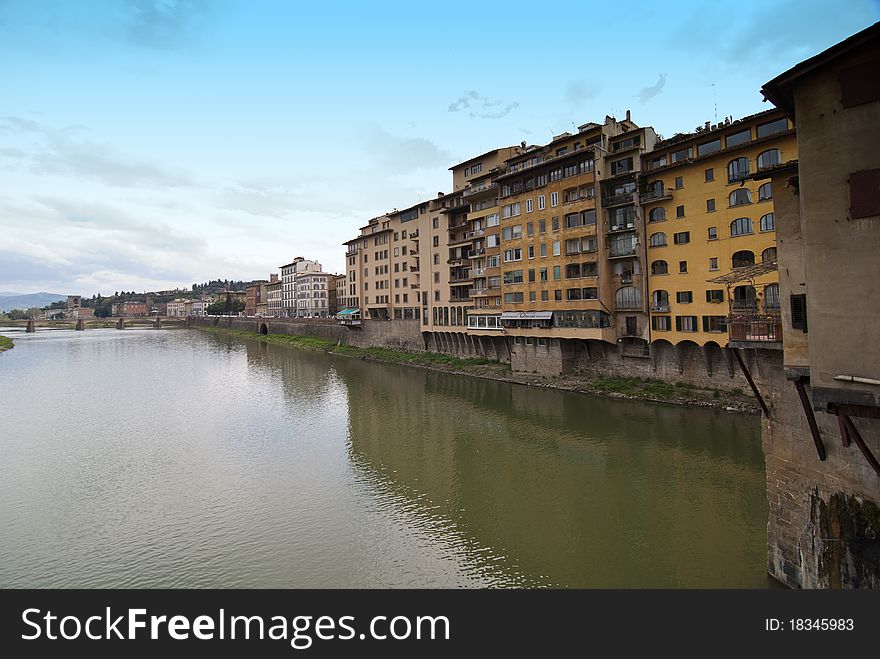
175,458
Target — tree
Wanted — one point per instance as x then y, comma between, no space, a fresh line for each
17,314
219,308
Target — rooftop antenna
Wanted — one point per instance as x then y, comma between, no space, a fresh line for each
714,101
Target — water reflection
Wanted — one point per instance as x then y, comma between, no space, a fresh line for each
175,458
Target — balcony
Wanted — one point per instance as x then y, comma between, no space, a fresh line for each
625,277
618,252
663,195
352,252
414,235
460,279
660,308
414,268
470,235
459,299
478,272
455,261
618,200
477,252
483,188
754,330
624,226
459,241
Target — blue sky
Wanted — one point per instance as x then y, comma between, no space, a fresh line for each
146,144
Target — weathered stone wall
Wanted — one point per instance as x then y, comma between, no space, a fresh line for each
400,334
824,525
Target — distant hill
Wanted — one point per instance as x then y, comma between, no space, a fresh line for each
29,300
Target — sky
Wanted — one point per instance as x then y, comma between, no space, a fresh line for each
151,144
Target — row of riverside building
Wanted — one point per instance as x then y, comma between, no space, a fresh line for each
303,290
607,234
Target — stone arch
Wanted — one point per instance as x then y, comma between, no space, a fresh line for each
264,329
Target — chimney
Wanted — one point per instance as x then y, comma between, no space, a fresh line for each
273,279
628,116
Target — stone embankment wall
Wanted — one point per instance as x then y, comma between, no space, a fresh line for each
824,522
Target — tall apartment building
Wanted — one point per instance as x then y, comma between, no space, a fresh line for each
711,238
274,307
567,269
312,288
255,298
338,299
289,272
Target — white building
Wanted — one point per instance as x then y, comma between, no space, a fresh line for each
176,307
182,308
312,297
289,272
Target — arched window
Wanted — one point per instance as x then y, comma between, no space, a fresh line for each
659,268
660,301
657,214
744,297
628,297
768,222
655,189
740,196
769,158
742,259
771,296
765,192
657,239
768,254
737,170
741,226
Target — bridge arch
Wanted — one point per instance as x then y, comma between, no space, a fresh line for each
264,329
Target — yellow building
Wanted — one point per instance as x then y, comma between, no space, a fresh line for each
707,218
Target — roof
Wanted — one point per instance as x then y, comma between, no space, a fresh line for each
746,274
779,90
480,157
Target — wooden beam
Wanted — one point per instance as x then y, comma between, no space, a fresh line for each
751,382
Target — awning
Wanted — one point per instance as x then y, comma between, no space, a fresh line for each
527,315
348,312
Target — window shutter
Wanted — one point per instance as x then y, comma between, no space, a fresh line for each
799,312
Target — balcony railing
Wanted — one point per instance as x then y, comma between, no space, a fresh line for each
660,308
414,235
755,327
414,268
627,250
655,195
623,226
475,234
618,199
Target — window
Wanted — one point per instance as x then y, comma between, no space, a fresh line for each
542,226
543,250
768,222
683,154
660,300
541,204
768,254
557,273
542,273
799,312
741,226
436,241
528,206
679,182
531,276
511,210
681,238
512,255
686,323
658,162
557,295
435,223
657,239
765,192
682,267
621,166
660,323
740,197
657,214
545,296
710,205
741,137
715,324
554,199
769,158
771,297
742,259
715,295
513,298
710,174
709,147
863,198
684,297
554,223
737,170
492,220
557,249
773,127
679,211
531,251
659,268
713,263
513,277
530,228
713,233
531,296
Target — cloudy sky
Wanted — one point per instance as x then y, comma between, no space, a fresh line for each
147,144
